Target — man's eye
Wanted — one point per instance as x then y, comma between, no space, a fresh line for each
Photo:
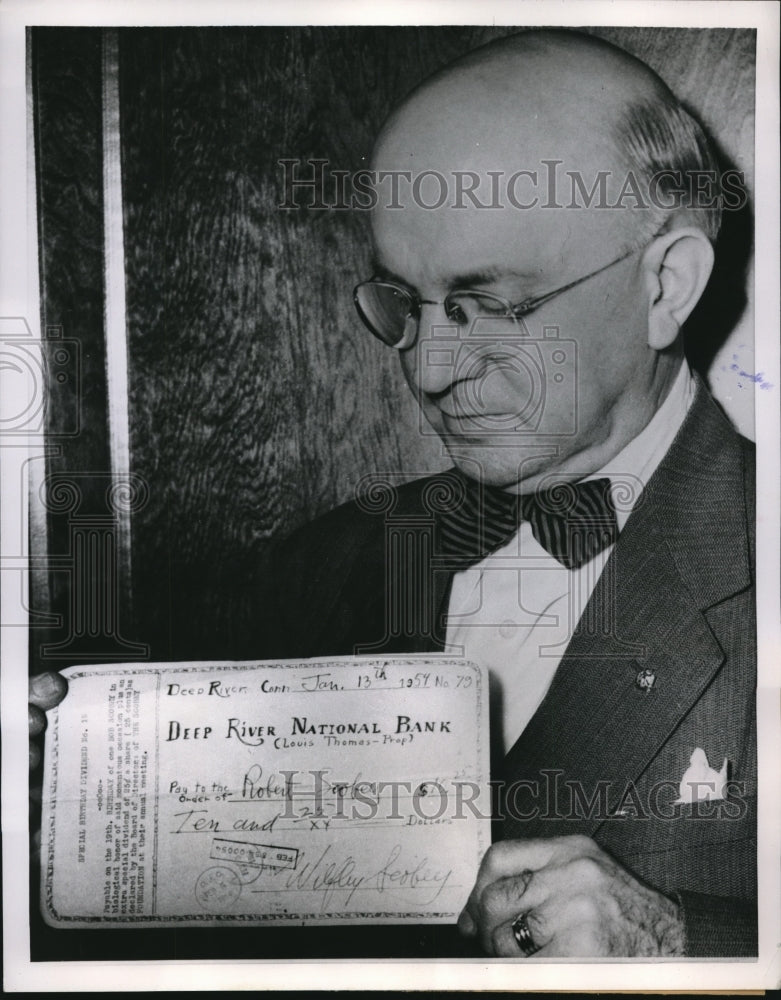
489,307
457,313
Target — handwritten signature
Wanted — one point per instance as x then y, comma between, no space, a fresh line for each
330,874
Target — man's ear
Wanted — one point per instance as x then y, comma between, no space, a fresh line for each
676,267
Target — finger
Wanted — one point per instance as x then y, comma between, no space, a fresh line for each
503,860
541,924
569,931
510,857
47,690
36,720
585,942
503,901
500,903
503,943
35,847
34,813
578,877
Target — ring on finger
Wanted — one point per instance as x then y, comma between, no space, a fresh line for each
523,936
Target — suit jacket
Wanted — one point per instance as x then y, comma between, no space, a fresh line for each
607,748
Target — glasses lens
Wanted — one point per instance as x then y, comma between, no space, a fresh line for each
483,313
385,309
464,307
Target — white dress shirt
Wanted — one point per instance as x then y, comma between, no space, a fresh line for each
515,611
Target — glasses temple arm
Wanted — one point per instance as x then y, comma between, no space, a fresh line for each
529,304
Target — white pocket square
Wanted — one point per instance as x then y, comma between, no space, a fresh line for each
700,783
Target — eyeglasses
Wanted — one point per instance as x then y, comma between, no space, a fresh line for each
392,312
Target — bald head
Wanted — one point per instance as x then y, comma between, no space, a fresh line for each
562,83
526,100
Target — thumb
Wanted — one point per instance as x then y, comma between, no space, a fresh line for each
47,690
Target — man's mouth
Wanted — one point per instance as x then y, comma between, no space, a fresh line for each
476,416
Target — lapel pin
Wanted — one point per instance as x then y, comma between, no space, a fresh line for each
645,679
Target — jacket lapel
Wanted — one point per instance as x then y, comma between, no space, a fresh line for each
683,549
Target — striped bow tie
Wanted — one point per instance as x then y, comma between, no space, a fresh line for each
572,521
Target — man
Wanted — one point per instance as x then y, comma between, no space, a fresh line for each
542,339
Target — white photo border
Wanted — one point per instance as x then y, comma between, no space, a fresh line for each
18,298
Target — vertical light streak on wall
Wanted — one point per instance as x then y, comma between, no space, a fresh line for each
115,312
38,530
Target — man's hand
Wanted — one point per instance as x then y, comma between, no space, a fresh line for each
45,691
577,901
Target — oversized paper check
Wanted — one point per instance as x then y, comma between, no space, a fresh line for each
318,791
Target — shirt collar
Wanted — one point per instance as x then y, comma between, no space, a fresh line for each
633,466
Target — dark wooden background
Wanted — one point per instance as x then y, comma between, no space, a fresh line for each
256,399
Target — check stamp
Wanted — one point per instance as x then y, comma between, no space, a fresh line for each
256,855
217,888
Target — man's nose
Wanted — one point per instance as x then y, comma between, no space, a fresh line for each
437,350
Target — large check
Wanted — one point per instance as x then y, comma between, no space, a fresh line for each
319,791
